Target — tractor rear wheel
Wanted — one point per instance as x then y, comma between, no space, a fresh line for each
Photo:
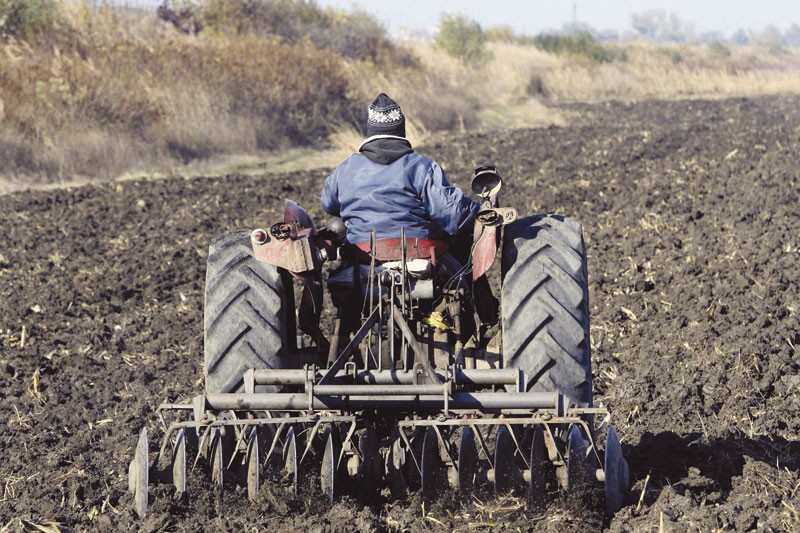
248,315
545,305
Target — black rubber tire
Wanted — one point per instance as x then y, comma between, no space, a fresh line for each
246,314
545,305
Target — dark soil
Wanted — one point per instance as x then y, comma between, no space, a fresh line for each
691,215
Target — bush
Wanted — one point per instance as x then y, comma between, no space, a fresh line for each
717,50
673,55
299,90
580,44
501,34
358,35
577,43
463,39
355,35
536,86
28,19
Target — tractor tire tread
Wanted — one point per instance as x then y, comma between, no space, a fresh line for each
244,317
545,305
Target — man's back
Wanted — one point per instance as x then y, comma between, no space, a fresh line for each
411,192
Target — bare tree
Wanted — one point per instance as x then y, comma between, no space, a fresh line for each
769,36
660,25
740,37
791,36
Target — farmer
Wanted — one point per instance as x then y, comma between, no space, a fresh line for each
387,186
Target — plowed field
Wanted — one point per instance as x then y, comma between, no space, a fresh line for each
691,212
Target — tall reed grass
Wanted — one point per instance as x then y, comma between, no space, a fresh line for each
675,72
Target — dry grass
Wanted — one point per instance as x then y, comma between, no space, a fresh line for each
109,95
116,93
676,72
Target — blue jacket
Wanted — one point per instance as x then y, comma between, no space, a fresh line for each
385,189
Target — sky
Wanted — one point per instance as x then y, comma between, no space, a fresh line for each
533,16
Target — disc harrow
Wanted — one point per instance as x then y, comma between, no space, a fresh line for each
531,444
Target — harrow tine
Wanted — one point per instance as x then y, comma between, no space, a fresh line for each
290,458
202,447
179,463
266,434
275,439
413,468
234,448
467,461
216,460
350,432
253,463
444,434
484,449
162,452
310,439
518,447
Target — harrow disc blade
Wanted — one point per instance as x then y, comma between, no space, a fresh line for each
330,464
253,464
395,463
616,473
467,461
179,463
540,466
504,461
139,475
434,474
579,473
216,460
290,458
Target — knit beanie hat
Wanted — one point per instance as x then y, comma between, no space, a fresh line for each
385,118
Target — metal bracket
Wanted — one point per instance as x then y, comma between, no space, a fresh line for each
357,338
420,355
